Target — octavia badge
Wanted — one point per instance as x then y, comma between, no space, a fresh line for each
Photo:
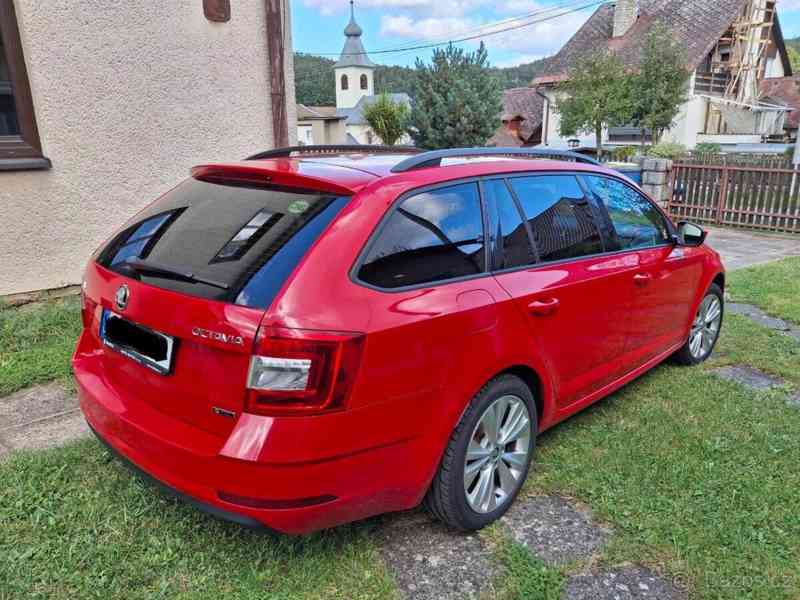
122,296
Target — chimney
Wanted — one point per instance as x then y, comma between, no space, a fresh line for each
625,14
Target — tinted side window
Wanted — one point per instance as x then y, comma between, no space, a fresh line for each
636,222
431,236
560,216
512,245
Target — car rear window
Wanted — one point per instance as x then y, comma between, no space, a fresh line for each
239,243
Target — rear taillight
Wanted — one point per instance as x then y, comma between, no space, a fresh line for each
298,372
87,307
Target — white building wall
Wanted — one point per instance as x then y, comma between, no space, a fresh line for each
305,134
349,98
128,96
689,123
553,135
774,67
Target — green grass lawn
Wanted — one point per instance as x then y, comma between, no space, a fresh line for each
698,478
775,287
36,342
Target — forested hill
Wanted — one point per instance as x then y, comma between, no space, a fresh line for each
793,49
314,79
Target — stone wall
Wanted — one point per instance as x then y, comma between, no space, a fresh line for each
655,178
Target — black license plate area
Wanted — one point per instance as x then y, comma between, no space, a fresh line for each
146,346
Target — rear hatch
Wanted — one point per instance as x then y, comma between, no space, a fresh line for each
176,298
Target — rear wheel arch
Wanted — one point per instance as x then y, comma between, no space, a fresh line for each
719,279
535,384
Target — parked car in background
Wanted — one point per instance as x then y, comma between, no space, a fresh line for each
312,337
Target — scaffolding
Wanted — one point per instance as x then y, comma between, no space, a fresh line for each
732,72
750,37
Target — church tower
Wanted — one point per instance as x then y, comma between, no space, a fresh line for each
355,72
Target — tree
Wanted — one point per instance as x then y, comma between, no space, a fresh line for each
315,84
794,58
387,118
596,94
660,87
457,100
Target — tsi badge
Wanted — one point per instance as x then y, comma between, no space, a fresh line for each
225,338
122,296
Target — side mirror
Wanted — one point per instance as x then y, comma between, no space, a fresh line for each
690,234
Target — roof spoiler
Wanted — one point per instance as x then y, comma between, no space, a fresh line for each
257,174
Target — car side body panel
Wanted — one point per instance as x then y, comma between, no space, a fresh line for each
427,351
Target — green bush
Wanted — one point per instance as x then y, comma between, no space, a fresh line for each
669,150
624,153
708,148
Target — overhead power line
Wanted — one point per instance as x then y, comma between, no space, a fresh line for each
489,26
490,32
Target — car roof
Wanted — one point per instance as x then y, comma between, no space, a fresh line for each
350,171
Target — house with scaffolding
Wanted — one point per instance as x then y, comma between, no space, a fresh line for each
732,47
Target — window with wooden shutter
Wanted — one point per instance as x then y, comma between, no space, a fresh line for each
20,147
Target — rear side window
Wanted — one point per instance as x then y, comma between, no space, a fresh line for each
512,245
238,243
560,216
636,223
431,236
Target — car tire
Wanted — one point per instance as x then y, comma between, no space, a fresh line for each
691,353
506,400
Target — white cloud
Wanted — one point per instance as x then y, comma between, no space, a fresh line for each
431,28
518,59
441,7
404,21
540,39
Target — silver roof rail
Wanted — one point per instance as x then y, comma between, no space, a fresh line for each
434,158
330,150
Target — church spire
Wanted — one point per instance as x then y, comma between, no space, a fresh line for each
353,53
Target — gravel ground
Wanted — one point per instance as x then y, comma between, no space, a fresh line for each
555,529
431,562
629,583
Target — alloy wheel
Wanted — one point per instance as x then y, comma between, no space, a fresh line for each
705,328
497,455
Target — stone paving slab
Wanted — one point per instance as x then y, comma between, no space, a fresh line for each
555,529
47,433
431,562
35,403
757,315
755,380
749,377
4,449
41,416
741,248
629,583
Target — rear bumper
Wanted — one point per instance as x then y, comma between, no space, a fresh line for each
210,509
312,493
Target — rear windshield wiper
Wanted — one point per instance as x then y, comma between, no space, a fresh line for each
145,267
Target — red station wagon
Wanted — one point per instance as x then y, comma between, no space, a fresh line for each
317,335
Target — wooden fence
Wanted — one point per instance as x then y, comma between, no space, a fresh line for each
743,196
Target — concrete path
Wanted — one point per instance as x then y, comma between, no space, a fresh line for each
742,248
42,416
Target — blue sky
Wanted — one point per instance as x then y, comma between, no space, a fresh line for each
317,25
